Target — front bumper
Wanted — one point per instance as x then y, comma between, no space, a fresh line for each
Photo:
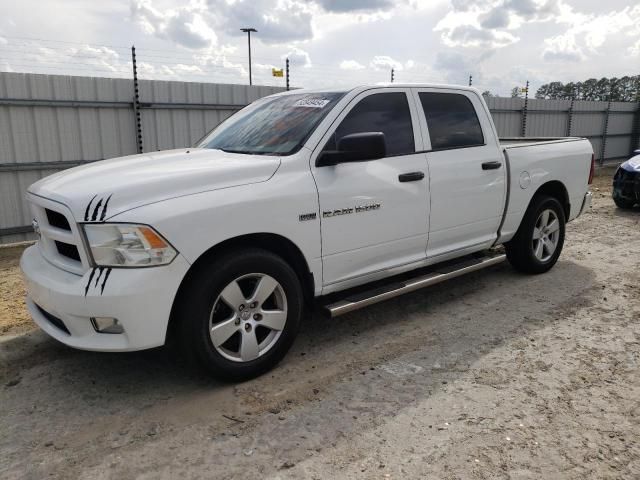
626,185
140,298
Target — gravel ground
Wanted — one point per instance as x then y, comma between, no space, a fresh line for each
14,318
492,375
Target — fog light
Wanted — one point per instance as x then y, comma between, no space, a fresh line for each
106,325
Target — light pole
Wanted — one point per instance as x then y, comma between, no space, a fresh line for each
248,32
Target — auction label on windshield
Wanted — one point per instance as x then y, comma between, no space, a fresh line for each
312,102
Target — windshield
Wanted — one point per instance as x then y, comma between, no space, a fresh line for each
273,126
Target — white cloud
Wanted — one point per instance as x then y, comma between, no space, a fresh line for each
562,48
356,5
587,33
384,62
198,24
490,23
351,65
184,25
298,57
473,36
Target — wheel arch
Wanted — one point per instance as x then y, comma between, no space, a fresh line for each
557,190
274,243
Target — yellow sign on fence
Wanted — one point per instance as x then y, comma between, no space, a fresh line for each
277,72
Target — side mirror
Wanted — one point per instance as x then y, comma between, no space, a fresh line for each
356,147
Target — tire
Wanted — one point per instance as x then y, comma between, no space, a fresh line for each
623,203
530,250
239,342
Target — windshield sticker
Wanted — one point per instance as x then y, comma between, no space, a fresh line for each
312,102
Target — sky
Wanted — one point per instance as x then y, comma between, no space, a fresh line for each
501,43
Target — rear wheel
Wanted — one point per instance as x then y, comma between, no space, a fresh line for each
539,240
240,313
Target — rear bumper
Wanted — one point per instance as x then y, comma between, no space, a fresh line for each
140,298
586,203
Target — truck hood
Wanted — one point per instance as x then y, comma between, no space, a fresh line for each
633,164
100,190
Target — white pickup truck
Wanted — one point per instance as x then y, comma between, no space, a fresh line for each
333,199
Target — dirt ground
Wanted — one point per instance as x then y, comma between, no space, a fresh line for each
493,375
14,318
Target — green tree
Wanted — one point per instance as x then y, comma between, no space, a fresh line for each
625,89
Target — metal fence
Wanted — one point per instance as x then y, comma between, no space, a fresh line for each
611,127
52,122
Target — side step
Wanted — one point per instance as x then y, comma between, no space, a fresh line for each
439,274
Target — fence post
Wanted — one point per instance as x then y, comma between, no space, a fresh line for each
604,131
570,117
523,130
136,101
287,73
635,130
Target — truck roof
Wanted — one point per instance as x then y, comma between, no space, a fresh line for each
364,87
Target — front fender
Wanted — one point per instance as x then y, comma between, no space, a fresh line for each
196,223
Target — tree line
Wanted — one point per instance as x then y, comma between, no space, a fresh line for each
624,89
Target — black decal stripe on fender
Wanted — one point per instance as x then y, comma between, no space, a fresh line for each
95,210
104,281
104,209
86,289
98,277
86,212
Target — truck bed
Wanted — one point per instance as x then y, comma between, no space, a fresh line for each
529,163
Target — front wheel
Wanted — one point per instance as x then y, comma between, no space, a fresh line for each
537,245
240,313
623,203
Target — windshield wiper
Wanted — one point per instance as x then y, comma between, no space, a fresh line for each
230,150
249,152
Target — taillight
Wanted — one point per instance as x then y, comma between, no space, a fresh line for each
593,168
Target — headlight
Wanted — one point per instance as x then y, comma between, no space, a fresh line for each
127,245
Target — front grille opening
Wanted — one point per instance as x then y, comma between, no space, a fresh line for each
55,321
68,250
58,220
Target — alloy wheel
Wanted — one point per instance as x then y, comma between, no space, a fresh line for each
546,234
248,317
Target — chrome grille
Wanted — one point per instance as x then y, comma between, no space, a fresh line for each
60,240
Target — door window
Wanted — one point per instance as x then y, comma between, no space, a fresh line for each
380,112
452,120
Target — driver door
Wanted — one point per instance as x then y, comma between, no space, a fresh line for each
374,214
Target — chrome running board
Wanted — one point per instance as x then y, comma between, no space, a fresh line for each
439,274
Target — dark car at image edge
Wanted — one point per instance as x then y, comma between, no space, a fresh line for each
626,182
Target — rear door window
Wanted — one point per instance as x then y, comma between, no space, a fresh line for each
451,120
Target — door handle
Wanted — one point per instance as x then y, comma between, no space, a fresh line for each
411,177
491,165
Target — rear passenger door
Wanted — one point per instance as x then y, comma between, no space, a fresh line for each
466,169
